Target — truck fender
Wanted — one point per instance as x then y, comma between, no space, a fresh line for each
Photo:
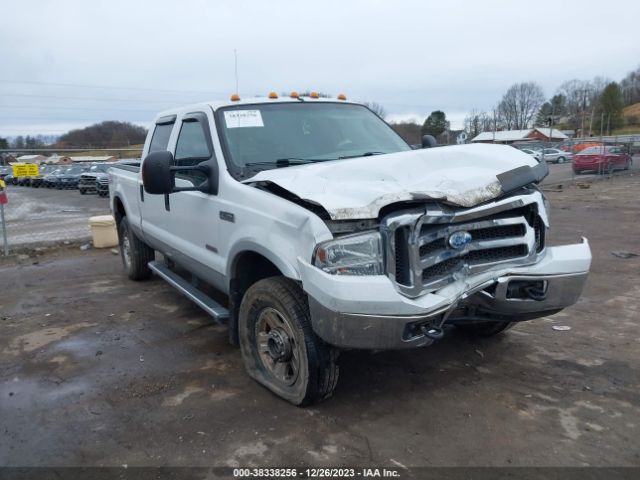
286,268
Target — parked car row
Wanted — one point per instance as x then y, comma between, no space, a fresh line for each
602,159
550,155
597,159
92,178
95,180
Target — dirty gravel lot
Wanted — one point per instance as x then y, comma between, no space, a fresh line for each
98,370
41,216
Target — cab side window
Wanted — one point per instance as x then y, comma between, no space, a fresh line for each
193,147
160,139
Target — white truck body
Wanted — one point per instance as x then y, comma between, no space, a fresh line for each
417,201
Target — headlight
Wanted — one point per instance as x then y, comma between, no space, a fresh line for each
359,254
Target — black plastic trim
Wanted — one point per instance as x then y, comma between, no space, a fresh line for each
519,177
167,120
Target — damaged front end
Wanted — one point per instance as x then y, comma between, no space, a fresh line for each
450,265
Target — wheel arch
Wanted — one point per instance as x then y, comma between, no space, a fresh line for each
250,264
119,212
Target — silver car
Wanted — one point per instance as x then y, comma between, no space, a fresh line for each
534,153
553,155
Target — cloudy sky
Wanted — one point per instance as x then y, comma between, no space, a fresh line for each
70,63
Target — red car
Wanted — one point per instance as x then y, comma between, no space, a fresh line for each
601,159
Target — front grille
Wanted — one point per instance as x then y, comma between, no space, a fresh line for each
504,231
426,261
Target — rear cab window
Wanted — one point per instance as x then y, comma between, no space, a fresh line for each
162,134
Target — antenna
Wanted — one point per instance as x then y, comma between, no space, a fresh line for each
235,57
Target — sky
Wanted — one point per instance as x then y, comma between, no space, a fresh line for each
70,63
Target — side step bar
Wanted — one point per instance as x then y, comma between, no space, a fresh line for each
208,304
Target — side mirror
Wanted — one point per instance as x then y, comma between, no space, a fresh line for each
428,141
159,176
156,173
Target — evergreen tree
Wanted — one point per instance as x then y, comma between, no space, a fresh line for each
609,109
435,124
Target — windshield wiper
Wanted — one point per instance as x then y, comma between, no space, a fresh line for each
365,154
285,162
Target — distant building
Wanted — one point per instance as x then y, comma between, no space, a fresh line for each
56,159
511,136
452,137
85,159
31,159
8,158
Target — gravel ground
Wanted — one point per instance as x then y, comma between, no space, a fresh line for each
41,216
98,370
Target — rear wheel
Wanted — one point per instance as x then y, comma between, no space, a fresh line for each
279,348
82,191
485,329
135,253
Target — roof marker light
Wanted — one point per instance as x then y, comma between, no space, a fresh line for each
314,95
342,96
273,95
294,94
235,97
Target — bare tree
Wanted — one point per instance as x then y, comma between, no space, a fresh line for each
477,122
409,131
630,85
578,100
582,99
376,108
519,105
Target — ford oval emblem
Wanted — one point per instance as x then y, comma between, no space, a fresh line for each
459,240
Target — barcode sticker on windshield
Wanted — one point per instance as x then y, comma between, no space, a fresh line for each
243,118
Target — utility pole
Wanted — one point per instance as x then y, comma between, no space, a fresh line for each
584,109
609,124
495,125
553,111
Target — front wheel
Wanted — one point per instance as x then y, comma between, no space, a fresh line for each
82,191
279,348
561,159
135,253
485,329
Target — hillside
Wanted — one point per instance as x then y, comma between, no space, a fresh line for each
632,110
111,134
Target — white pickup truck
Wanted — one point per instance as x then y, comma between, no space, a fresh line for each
324,230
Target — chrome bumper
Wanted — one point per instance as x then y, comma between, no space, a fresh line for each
499,299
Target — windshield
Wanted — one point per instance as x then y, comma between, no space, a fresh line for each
74,170
99,168
265,136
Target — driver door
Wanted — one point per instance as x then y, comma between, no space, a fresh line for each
193,217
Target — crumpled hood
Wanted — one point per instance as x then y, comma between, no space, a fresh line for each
358,188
